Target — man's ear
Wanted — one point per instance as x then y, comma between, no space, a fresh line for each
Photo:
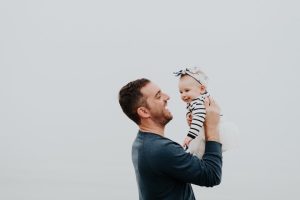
143,112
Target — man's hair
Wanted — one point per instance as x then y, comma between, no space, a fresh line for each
130,98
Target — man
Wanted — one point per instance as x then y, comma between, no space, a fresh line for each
163,169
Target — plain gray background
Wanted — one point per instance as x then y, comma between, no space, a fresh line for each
62,63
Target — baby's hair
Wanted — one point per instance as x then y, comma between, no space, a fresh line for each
202,74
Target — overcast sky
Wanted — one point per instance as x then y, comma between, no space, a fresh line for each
62,133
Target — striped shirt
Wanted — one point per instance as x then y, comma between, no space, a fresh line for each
197,109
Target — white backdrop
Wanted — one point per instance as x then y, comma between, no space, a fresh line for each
62,63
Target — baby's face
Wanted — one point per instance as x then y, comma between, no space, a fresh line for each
189,88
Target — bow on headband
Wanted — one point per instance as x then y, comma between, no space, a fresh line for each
195,73
183,72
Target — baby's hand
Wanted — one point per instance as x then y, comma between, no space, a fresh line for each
189,119
186,142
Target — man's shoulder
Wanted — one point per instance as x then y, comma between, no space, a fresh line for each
156,151
155,144
155,139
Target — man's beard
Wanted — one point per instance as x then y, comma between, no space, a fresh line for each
164,120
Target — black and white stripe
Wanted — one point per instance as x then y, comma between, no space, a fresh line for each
197,109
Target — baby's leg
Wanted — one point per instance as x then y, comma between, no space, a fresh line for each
197,145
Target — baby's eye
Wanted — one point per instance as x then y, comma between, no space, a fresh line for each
187,90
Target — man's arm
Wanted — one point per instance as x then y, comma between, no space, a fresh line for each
185,167
176,163
211,124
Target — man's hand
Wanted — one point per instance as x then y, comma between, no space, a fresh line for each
186,142
189,118
211,124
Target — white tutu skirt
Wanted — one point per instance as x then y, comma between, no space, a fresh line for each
228,137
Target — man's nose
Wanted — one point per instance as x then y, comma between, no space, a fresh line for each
166,96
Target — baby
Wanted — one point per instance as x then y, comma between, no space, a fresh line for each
193,91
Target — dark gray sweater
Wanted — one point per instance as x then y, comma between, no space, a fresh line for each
165,171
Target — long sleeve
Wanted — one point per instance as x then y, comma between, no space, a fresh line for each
165,171
185,167
198,112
